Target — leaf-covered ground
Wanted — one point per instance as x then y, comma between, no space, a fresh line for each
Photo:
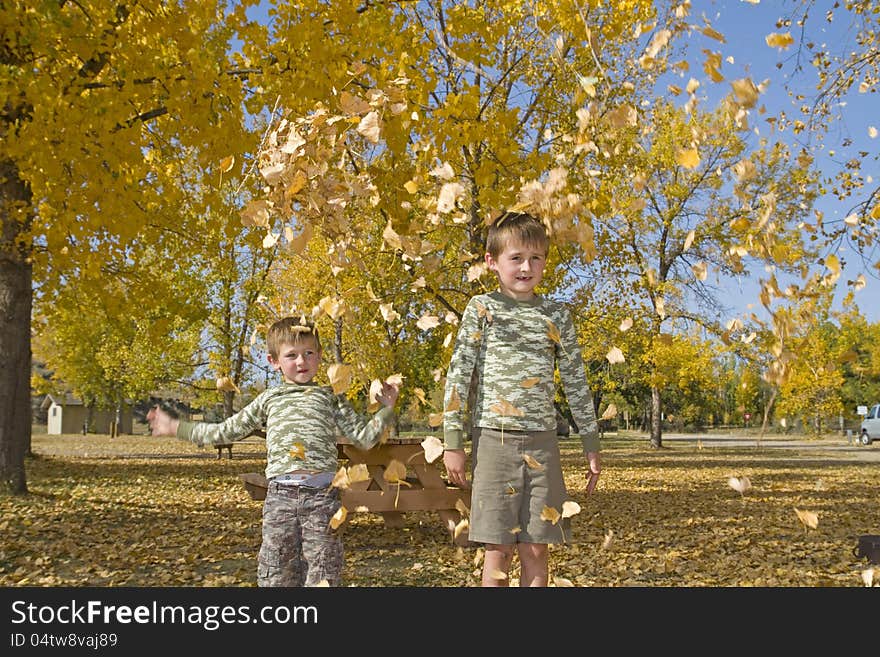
139,511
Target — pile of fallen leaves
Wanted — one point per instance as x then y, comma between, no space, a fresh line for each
142,511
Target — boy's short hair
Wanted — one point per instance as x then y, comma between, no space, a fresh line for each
516,227
290,330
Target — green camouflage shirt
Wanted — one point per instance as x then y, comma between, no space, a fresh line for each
515,347
301,424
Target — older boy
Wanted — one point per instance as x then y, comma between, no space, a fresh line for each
301,418
514,339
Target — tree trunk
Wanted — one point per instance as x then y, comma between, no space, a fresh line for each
15,333
767,408
656,418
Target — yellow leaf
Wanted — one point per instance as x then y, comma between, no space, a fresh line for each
497,574
428,322
226,384
610,412
462,508
570,508
358,472
868,577
395,472
369,127
689,158
227,163
338,517
395,380
454,401
433,448
739,484
435,419
872,132
608,540
340,377
713,34
626,324
689,240
297,243
562,582
530,382
505,409
411,186
515,530
373,403
482,311
701,271
531,462
549,514
833,264
340,479
808,518
298,451
779,40
420,395
553,333
615,355
745,92
462,526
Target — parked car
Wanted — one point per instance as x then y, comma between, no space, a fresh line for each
871,426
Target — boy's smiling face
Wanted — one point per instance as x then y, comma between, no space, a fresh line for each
519,267
298,361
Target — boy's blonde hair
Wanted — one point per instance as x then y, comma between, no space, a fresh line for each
516,227
290,330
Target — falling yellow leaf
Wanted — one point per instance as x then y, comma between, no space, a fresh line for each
549,514
872,132
689,240
226,384
454,401
433,448
570,508
531,462
530,382
739,484
373,403
833,264
428,322
298,451
388,312
435,419
562,582
340,377
358,472
462,508
395,380
809,519
610,412
688,158
505,409
340,479
462,526
615,355
482,311
411,186
227,163
553,333
626,324
516,530
323,583
745,92
608,540
420,395
510,490
395,472
779,40
497,574
860,282
868,577
338,517
369,127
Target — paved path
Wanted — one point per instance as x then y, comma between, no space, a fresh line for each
834,446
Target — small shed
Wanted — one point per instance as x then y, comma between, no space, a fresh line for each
67,414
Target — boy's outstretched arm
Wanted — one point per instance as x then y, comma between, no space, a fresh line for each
161,423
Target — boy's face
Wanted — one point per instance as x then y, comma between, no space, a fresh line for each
519,269
298,361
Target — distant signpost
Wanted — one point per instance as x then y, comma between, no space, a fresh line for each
862,410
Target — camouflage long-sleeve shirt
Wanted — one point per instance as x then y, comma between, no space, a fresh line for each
301,427
515,347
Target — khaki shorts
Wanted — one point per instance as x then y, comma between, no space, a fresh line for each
508,495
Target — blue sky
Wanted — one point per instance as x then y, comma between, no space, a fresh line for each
745,26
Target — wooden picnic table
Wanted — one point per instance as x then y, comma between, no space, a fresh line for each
424,488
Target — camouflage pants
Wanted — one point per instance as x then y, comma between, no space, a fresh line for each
299,548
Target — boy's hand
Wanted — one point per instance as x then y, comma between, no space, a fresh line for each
594,471
389,395
454,460
161,423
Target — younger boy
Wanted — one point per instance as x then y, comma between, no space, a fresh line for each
301,419
514,339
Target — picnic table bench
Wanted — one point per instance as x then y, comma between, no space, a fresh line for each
424,488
